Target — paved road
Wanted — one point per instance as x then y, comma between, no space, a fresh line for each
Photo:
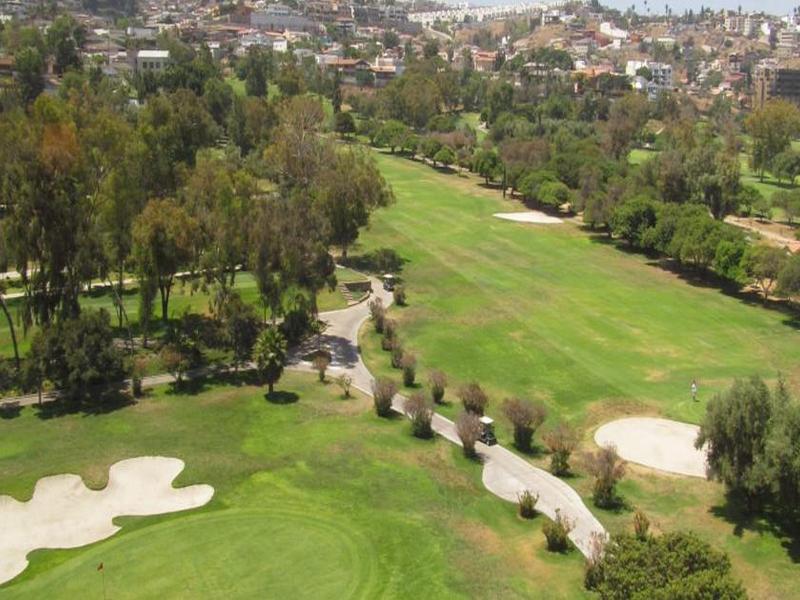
504,473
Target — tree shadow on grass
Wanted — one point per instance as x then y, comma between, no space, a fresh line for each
10,410
782,524
705,279
378,261
98,402
281,397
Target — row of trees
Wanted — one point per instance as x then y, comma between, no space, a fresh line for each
688,234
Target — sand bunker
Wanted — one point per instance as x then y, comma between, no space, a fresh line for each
658,443
531,216
64,513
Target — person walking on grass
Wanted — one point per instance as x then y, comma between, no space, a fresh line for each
694,390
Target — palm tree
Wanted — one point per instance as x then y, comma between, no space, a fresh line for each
270,355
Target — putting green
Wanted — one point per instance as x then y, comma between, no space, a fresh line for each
210,555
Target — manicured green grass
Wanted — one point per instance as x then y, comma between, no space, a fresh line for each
317,498
638,156
473,119
556,314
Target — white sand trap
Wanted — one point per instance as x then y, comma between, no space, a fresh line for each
658,443
530,216
64,513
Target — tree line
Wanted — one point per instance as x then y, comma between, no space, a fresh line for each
95,190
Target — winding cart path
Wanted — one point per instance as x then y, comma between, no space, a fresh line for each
504,473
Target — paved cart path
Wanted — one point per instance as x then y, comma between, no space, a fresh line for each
505,474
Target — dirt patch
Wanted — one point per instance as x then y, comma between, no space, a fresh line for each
529,216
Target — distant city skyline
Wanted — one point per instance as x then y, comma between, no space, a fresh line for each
774,7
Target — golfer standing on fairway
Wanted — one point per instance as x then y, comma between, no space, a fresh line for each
694,390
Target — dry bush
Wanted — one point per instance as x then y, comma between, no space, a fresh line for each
399,294
137,377
344,381
438,382
321,362
409,365
473,398
377,313
383,390
557,533
389,334
468,427
561,441
420,411
607,468
527,501
641,525
397,354
526,418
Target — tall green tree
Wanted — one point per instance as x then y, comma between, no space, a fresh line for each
30,73
771,128
350,190
736,427
64,38
164,237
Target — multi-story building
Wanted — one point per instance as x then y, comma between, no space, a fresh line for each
745,25
775,80
787,43
151,61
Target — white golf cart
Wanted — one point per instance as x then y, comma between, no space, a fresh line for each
487,431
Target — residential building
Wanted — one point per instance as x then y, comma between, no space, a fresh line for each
551,16
141,33
280,22
151,61
484,62
787,43
774,80
348,68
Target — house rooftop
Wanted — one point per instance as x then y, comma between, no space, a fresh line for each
153,54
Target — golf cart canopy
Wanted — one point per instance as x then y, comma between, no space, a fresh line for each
486,420
388,277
